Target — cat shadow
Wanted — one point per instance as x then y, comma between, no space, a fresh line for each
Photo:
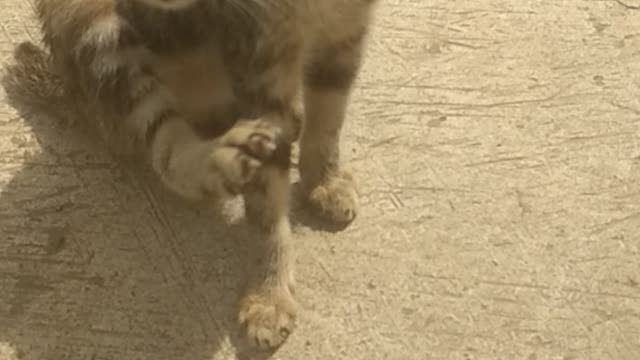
98,261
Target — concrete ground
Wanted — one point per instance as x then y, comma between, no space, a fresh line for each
497,146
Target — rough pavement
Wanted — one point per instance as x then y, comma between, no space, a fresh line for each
497,146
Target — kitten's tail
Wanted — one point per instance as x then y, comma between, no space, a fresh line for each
32,85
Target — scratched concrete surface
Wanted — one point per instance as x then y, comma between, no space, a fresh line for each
497,147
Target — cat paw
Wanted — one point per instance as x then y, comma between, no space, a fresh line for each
336,199
268,318
243,150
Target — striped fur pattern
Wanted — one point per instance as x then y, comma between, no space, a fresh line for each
205,89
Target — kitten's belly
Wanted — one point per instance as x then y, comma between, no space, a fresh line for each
199,82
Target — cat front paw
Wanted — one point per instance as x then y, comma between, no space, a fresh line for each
242,151
268,317
335,198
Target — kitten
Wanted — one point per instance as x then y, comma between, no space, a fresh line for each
205,90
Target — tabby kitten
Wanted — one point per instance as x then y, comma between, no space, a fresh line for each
205,89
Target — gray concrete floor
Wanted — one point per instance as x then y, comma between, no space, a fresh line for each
497,146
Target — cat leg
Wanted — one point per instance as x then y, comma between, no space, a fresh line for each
329,78
268,309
